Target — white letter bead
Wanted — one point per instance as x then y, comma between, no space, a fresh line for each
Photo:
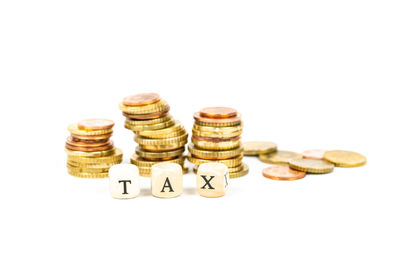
124,181
166,180
212,179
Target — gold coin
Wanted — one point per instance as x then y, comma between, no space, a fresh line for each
159,155
256,148
134,122
279,157
88,175
73,128
96,154
225,145
146,171
116,155
87,170
138,161
217,132
151,108
173,131
342,158
214,154
228,162
85,165
311,165
232,169
160,141
164,147
146,127
240,173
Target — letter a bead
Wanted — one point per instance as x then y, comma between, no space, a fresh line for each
124,181
212,179
166,180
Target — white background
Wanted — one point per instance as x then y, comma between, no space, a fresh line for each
304,74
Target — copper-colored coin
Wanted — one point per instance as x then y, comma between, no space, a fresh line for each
216,140
314,154
71,142
148,116
283,173
89,149
141,99
218,121
91,137
218,112
95,124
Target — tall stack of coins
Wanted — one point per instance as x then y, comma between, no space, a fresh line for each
217,138
160,137
90,152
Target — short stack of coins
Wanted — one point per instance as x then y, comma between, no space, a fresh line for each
90,152
217,138
160,138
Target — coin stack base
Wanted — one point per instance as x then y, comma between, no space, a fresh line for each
217,138
160,138
90,152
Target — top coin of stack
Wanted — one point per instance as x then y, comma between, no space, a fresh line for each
89,148
160,137
216,138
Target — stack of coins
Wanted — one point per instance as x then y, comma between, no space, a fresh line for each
217,138
160,137
90,152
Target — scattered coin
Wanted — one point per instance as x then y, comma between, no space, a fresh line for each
279,157
314,154
311,165
256,148
283,173
342,158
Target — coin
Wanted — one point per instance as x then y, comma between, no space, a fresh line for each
212,154
311,165
164,147
91,137
228,162
148,116
218,112
283,173
141,99
146,171
220,145
87,144
173,131
217,122
95,124
160,141
258,147
73,129
88,175
86,170
314,154
240,173
149,122
279,157
89,149
159,155
342,158
140,110
95,154
232,169
217,133
135,159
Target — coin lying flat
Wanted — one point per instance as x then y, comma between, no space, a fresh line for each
342,158
109,146
314,154
282,173
147,116
256,148
279,157
244,171
218,112
95,124
231,121
311,165
141,99
73,129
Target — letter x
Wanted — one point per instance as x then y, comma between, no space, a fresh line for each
207,182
